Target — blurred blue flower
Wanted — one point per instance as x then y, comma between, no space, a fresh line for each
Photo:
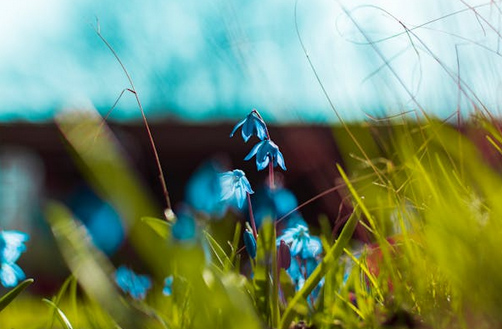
274,204
250,243
284,201
295,220
300,242
251,125
11,247
300,270
132,283
235,185
264,152
185,228
102,221
204,190
168,286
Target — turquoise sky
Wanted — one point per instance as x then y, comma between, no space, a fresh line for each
215,60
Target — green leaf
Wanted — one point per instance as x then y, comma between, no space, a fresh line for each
326,265
11,295
235,245
161,227
218,251
60,315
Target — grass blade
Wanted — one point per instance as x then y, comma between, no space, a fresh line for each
217,250
60,315
11,295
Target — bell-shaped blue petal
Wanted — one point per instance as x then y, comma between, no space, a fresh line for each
265,151
168,286
251,125
295,271
12,245
10,274
250,243
131,283
313,248
235,186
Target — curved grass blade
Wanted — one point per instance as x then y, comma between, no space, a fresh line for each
326,265
161,227
11,295
218,251
60,315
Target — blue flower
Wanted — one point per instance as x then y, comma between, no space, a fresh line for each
274,203
251,125
185,228
300,242
250,243
168,286
299,271
132,283
203,190
264,152
11,247
102,221
235,185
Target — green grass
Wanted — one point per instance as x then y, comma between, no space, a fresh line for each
425,194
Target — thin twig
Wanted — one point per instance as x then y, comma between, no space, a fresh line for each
135,93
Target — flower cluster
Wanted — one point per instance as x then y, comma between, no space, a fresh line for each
266,152
304,248
297,251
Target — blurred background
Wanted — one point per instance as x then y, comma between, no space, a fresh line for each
201,66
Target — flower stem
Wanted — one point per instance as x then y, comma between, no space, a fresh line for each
271,180
251,217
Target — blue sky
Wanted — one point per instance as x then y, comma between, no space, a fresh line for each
215,60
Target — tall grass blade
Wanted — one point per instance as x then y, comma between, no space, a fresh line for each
59,314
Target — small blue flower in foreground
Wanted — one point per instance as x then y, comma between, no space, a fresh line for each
300,242
235,185
11,247
264,151
132,283
184,228
168,286
251,125
205,182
